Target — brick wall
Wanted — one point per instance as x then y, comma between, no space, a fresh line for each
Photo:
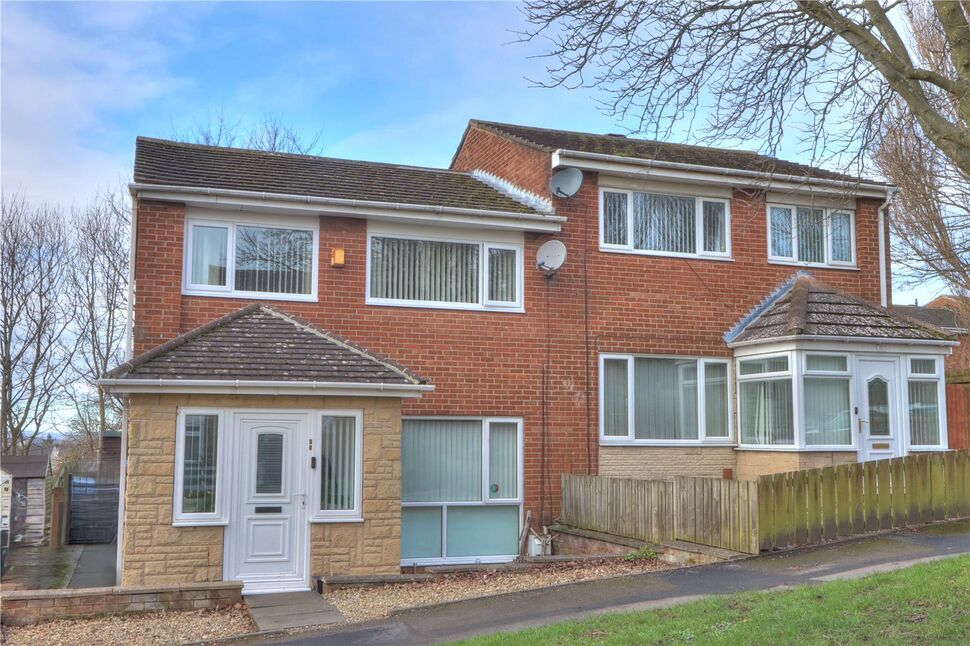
491,363
33,606
155,553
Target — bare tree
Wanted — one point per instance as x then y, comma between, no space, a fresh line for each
757,68
36,346
270,134
98,290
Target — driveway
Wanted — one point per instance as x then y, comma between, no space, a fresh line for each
640,592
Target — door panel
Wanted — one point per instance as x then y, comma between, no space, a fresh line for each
878,420
268,527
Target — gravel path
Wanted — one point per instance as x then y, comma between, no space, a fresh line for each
358,604
148,629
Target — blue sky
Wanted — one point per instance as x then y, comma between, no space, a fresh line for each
391,82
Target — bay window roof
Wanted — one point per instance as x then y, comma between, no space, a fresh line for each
807,307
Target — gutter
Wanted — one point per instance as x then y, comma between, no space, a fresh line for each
844,339
393,210
563,157
129,385
883,253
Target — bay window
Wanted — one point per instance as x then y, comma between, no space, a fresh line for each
460,489
765,406
428,272
663,400
811,235
828,413
249,259
923,386
661,224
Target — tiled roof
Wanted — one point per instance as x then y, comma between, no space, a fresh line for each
260,343
808,307
26,466
938,316
550,140
172,163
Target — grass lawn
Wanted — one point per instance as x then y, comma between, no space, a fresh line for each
924,604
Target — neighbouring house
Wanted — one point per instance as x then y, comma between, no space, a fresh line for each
950,314
346,367
28,502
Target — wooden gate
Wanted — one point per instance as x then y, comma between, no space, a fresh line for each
716,512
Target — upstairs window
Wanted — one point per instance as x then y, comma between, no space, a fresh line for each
811,236
666,225
253,260
427,272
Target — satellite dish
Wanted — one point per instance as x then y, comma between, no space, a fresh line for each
551,255
566,183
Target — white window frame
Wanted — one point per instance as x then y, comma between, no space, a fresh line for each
827,214
486,501
790,374
698,253
228,290
317,515
940,403
630,438
219,515
484,304
847,375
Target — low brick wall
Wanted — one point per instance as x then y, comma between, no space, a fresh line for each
32,606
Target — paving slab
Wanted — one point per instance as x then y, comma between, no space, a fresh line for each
96,567
291,610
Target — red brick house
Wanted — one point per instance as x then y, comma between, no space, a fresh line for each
412,384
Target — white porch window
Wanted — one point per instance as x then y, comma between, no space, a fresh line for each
339,467
658,400
924,386
455,274
246,259
811,236
826,393
665,225
460,489
765,402
198,488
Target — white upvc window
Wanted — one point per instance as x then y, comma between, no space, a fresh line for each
337,464
664,400
659,224
411,269
826,396
200,488
811,236
924,392
250,258
766,401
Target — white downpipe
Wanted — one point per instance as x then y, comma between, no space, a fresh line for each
883,279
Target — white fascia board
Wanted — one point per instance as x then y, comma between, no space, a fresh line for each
711,175
372,210
843,344
242,387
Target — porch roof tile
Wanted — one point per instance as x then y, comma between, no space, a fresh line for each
261,343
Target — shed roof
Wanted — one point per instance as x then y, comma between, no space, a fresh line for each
26,466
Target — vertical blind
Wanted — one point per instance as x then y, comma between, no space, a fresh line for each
715,227
269,463
424,270
209,246
924,413
781,232
501,275
338,463
841,224
503,468
766,412
811,234
615,398
664,223
827,413
665,399
715,399
199,464
273,260
441,460
614,218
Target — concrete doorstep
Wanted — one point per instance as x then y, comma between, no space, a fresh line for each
289,610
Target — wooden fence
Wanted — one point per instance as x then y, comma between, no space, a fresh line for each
815,505
721,513
776,511
639,509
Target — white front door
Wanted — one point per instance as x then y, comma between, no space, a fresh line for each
878,420
267,532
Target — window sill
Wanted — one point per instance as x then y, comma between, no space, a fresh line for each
928,449
661,254
215,522
348,519
667,443
421,305
259,296
797,449
812,265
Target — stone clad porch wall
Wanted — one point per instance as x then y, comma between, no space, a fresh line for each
155,553
752,464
